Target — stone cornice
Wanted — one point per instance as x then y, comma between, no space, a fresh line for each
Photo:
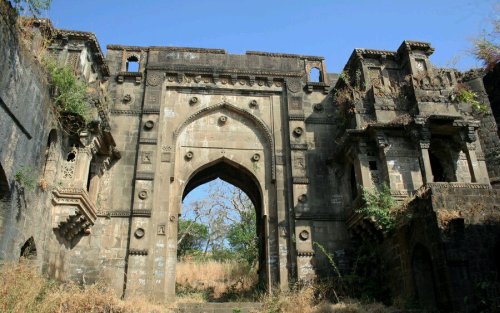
320,217
285,55
76,197
166,48
192,69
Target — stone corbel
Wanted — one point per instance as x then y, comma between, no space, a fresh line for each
251,80
74,213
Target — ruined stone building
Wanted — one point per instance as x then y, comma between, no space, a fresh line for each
167,119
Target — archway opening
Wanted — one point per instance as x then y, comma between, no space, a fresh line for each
220,246
28,250
424,277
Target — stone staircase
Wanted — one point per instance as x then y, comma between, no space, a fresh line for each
223,307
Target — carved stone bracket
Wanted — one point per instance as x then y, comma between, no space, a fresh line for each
74,213
138,252
300,180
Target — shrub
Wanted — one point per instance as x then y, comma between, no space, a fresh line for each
379,205
70,94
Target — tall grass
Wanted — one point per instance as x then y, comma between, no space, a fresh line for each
23,290
216,280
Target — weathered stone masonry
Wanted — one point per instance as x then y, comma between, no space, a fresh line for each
184,116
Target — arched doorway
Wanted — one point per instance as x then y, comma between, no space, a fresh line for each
423,276
243,179
225,142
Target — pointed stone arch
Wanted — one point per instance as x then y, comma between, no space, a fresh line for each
28,250
248,115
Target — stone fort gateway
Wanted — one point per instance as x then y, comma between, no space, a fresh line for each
302,143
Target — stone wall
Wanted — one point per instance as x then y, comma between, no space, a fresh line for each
445,255
110,192
26,119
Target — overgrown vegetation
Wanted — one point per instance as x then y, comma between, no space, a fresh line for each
209,280
465,95
487,47
25,178
380,205
305,299
23,290
70,93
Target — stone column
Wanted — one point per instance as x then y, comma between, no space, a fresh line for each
425,161
82,166
470,152
362,166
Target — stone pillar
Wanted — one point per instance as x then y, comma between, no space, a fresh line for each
94,181
470,152
362,166
425,162
82,166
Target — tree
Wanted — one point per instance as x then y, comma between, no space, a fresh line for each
191,237
33,7
242,238
230,218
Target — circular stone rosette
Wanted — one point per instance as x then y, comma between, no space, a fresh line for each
153,79
293,85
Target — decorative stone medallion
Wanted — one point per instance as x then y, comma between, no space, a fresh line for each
298,131
189,155
223,120
193,100
256,157
253,104
143,194
139,233
149,125
293,85
304,235
153,79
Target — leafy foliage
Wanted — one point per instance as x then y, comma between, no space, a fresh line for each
465,95
70,93
379,205
33,7
242,239
193,235
221,227
24,177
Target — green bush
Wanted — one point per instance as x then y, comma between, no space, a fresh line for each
70,93
24,177
378,205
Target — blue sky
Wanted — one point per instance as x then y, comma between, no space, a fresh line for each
327,28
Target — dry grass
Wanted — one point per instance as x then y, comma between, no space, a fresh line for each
216,278
304,301
23,290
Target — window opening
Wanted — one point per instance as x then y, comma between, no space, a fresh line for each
71,157
315,75
133,64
